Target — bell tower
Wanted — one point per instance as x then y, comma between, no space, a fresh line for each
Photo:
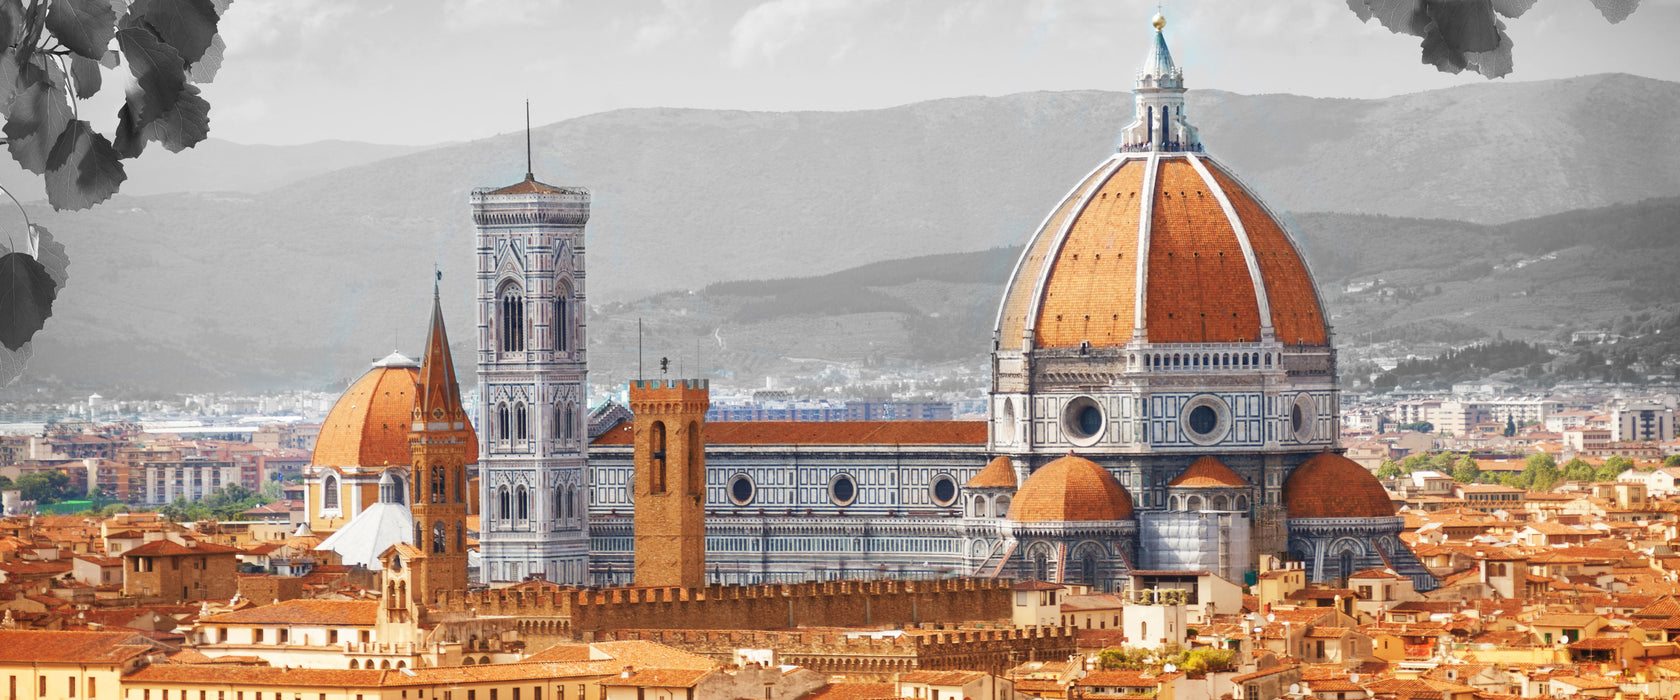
670,463
442,443
533,382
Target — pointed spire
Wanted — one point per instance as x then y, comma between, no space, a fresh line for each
528,169
1159,123
437,403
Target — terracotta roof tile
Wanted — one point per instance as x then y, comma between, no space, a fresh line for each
303,611
1199,290
931,432
28,646
1208,472
170,548
1332,486
998,474
1017,302
1296,316
1091,291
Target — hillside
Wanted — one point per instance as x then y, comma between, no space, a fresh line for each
302,284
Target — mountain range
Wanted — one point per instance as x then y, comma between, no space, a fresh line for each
300,284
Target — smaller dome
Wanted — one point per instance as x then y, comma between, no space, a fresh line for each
1070,489
1332,486
998,474
1208,472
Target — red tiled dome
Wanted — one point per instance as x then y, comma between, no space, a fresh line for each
369,425
1208,472
998,474
1078,279
1070,489
1332,486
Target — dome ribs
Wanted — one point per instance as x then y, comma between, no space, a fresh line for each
1199,289
1017,301
1297,318
1070,489
1332,486
369,424
1091,289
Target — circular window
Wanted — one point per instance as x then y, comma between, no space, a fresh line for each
1205,419
842,490
741,489
944,490
1083,420
1303,418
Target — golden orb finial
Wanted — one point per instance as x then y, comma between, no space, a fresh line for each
1159,21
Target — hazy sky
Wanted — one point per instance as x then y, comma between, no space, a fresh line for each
427,71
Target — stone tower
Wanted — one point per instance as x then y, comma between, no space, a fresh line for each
532,382
670,462
438,440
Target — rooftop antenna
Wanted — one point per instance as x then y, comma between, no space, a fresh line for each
528,175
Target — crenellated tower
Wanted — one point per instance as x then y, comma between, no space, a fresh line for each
532,382
670,459
441,441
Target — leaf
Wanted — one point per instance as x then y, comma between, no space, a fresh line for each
34,121
26,298
85,73
187,25
1616,10
183,127
12,363
83,26
84,168
111,59
204,69
1512,8
11,21
131,139
51,255
1467,25
156,67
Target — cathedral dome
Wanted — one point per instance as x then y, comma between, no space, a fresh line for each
1332,486
1159,244
369,425
1216,265
1071,488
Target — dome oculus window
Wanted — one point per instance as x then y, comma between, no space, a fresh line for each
1083,420
943,490
1303,418
1205,419
842,490
741,489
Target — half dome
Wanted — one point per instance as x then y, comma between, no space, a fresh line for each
1069,489
1332,486
1168,248
998,474
1208,472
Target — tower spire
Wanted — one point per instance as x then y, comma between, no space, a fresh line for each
528,170
437,406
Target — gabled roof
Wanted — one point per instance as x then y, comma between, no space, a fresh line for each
1208,472
998,474
30,646
303,612
171,548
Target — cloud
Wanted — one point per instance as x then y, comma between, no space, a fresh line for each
768,29
676,18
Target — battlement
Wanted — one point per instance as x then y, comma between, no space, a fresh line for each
721,607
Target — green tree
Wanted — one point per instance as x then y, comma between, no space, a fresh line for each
1613,468
1124,659
1415,462
1671,461
1466,471
44,487
1443,462
1510,426
1541,472
5,482
1421,426
1388,469
1577,469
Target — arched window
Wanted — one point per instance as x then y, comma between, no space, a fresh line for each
438,537
460,488
656,461
460,537
329,492
354,664
512,322
1242,503
563,421
503,426
1088,568
1347,564
1041,565
523,501
696,461
503,503
438,490
562,319
1195,503
519,425
560,502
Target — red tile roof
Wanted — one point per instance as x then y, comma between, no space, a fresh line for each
1068,489
1332,486
998,474
302,612
930,432
1210,473
28,646
171,548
